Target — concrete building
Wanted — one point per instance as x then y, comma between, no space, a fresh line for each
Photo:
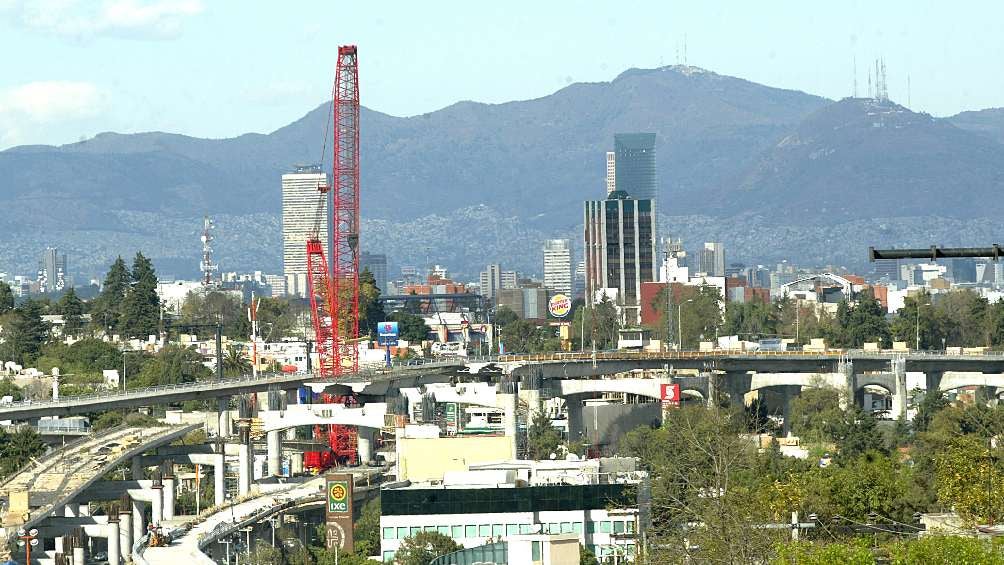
277,283
579,284
494,279
52,275
376,263
611,171
529,303
558,266
595,500
713,259
619,243
302,204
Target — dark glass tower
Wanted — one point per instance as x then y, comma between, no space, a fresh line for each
635,165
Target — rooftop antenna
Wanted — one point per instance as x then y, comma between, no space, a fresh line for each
685,49
884,91
855,76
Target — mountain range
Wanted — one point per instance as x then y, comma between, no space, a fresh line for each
774,174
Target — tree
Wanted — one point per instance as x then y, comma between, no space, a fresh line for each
106,310
6,298
947,550
370,310
814,412
866,322
210,308
18,448
751,320
909,321
856,433
412,328
971,480
542,438
278,318
700,316
367,528
263,554
172,365
587,557
72,309
140,312
234,362
853,552
24,333
8,388
933,402
107,420
423,547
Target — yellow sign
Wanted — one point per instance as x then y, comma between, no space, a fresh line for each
559,305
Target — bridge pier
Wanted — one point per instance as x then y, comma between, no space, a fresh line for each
274,449
736,385
138,526
899,395
169,496
219,470
243,469
847,386
223,425
786,395
125,532
113,531
364,444
78,555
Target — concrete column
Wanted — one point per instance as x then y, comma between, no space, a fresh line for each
169,496
138,527
113,541
223,406
899,395
533,401
274,447
576,428
243,469
157,506
364,444
508,402
845,370
59,544
714,388
219,472
125,534
786,394
78,556
137,469
737,384
932,381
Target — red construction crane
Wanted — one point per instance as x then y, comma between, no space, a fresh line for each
334,298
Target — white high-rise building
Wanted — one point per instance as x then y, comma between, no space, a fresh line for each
713,259
611,171
302,205
491,281
558,266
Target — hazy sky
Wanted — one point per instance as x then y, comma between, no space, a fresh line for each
218,68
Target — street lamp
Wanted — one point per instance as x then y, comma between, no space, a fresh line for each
918,322
679,321
27,540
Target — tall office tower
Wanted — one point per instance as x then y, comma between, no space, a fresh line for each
611,171
579,285
620,249
52,275
375,263
491,281
508,280
302,205
889,269
558,266
713,260
635,165
963,270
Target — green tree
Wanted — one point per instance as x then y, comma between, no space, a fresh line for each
947,550
541,437
412,328
172,365
234,362
370,310
140,313
872,482
107,307
278,318
933,402
264,554
17,448
72,309
24,333
815,412
207,309
367,528
909,321
857,433
751,320
6,298
700,316
587,557
866,322
107,420
423,547
852,552
971,480
8,388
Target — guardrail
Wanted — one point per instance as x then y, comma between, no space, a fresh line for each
61,449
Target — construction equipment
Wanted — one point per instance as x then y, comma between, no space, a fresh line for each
334,297
157,538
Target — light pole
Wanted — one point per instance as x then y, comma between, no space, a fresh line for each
679,321
27,540
918,323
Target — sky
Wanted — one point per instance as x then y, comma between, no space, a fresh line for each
71,69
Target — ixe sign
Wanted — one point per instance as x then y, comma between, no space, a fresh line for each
338,511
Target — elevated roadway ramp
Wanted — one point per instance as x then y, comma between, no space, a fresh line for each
62,475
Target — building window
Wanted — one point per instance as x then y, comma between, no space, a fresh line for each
577,527
605,527
618,527
402,533
388,556
471,532
511,529
566,527
388,533
526,528
458,532
415,530
630,526
497,530
430,528
554,528
485,530
445,530
535,551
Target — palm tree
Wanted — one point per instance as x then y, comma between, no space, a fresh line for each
235,363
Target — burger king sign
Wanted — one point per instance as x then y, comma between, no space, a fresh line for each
559,306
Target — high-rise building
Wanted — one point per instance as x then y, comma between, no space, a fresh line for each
52,276
635,165
302,205
491,282
889,269
713,259
963,270
579,285
611,171
620,249
508,280
558,266
376,263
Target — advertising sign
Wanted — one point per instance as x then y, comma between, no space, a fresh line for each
670,394
387,333
338,511
559,305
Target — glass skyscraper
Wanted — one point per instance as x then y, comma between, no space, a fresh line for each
634,168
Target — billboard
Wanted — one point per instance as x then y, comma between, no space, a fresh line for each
670,393
559,305
338,511
387,333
